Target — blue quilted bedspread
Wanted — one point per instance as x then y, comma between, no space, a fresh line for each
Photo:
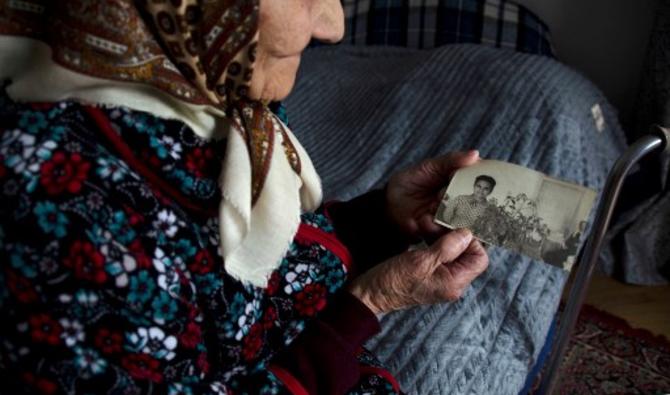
364,113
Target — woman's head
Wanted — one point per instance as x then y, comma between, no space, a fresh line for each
285,28
483,186
207,52
242,48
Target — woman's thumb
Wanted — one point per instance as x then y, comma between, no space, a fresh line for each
450,246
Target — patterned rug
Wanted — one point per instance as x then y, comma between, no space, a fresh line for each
607,356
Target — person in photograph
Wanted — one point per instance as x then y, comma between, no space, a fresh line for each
572,242
558,254
463,211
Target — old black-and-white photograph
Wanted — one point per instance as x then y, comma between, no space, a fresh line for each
519,209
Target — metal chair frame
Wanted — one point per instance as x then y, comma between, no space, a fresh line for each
657,142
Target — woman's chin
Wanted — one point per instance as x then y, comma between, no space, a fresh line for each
274,90
277,82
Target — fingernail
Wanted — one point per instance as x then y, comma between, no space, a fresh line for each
466,236
474,152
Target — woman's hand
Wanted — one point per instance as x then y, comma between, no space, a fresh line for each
413,195
439,273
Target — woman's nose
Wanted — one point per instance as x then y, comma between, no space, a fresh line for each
328,21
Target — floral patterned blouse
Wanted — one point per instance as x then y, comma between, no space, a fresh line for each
111,279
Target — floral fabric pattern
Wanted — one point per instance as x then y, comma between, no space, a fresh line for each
110,285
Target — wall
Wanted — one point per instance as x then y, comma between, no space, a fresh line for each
604,39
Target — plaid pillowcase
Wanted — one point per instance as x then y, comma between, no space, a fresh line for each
432,23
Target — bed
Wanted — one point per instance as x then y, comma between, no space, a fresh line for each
376,104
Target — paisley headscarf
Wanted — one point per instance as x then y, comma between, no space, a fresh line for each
181,59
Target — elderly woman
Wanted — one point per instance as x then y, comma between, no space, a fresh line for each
161,229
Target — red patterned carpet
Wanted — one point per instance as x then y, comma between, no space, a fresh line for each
607,356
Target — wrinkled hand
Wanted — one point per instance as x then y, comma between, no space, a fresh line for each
413,195
441,272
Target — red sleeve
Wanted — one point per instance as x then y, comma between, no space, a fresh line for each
363,226
322,360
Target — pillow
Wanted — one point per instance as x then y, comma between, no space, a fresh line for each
433,23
